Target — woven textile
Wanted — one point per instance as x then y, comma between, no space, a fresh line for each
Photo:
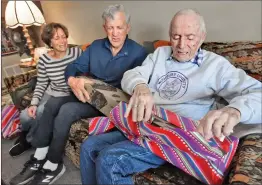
174,139
10,121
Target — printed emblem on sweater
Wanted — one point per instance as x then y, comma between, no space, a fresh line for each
172,86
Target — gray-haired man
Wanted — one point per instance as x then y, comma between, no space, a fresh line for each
105,59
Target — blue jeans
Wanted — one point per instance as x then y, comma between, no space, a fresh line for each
112,159
26,121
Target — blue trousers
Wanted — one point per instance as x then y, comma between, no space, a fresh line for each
112,159
54,125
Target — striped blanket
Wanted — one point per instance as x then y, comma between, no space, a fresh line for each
10,121
174,139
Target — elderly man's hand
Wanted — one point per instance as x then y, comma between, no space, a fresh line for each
78,87
219,123
141,103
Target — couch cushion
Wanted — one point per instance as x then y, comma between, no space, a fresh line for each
161,43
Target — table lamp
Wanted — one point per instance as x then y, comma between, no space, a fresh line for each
23,13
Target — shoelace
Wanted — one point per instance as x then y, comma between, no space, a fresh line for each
27,164
43,171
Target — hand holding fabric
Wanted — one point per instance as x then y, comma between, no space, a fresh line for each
141,103
219,123
78,87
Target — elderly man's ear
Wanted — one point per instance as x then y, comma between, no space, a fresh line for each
128,28
203,37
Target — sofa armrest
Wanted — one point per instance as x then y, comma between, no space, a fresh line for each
20,85
247,163
16,81
23,93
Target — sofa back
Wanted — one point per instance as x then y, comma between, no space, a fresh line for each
245,55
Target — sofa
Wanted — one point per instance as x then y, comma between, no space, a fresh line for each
246,167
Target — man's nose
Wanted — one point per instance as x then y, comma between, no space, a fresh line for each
181,43
114,32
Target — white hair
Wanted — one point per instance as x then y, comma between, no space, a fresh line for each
191,12
111,10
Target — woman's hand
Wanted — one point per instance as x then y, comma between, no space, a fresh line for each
31,111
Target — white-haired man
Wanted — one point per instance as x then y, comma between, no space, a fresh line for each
182,78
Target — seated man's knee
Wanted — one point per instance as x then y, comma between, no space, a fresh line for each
89,146
108,158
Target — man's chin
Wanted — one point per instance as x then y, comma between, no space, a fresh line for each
116,45
181,59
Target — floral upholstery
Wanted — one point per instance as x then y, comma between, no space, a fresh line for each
20,85
247,165
13,82
245,55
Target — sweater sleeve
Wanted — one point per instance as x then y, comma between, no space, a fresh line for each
42,83
242,92
140,74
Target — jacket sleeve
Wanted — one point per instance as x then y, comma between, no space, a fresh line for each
138,75
242,92
81,64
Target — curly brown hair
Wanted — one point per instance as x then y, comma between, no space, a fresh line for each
49,31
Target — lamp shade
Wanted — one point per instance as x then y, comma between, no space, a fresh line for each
22,13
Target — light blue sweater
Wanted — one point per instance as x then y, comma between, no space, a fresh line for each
189,89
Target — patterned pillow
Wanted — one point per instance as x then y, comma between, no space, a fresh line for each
161,43
83,46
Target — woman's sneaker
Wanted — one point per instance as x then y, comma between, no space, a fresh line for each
46,176
28,172
20,145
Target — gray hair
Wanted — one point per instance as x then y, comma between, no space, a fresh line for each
191,12
110,11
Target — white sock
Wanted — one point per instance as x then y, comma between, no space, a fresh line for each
51,166
40,153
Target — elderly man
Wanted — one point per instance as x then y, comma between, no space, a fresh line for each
105,59
182,78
